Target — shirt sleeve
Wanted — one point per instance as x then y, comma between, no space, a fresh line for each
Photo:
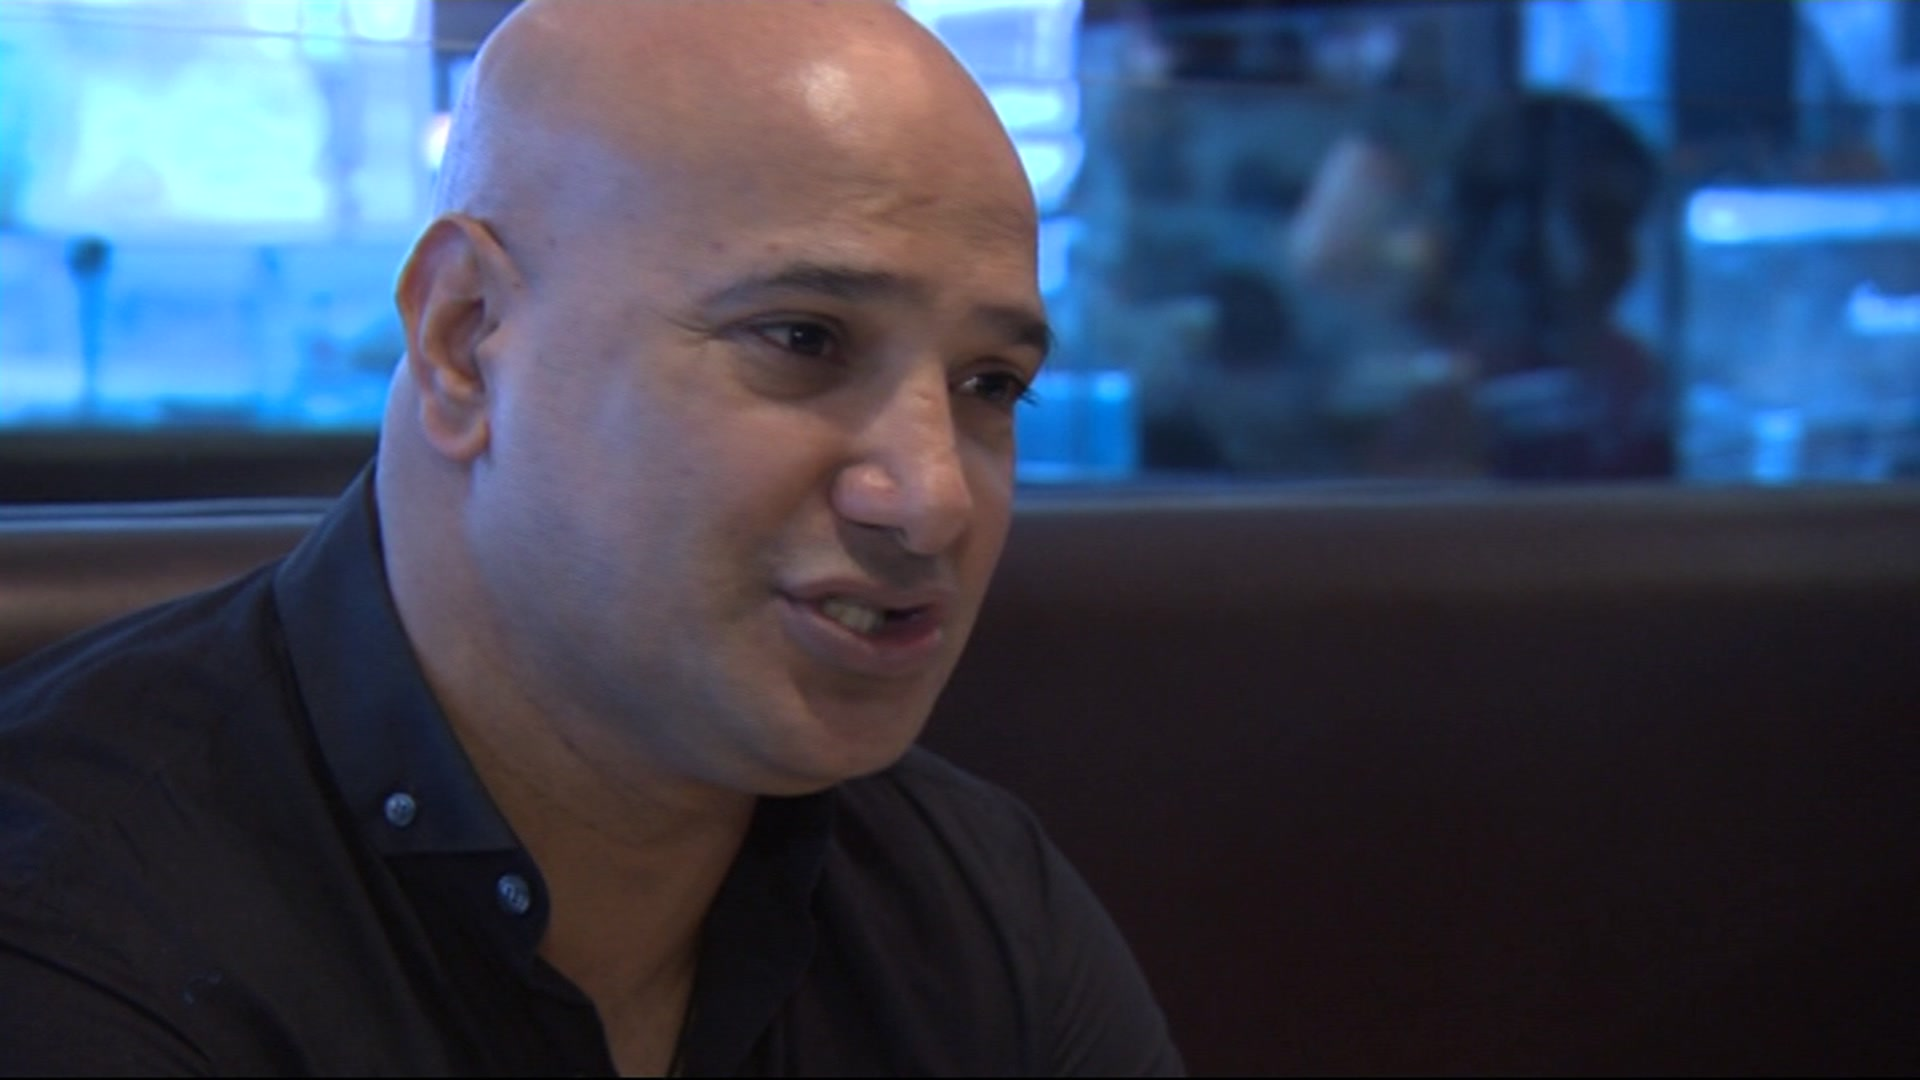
1101,1016
55,1021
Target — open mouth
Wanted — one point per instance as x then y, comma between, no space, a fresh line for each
862,635
867,620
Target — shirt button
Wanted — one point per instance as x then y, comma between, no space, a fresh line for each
513,893
400,809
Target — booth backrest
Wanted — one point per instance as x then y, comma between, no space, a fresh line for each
64,568
1556,781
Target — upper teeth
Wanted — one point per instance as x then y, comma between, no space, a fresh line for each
853,615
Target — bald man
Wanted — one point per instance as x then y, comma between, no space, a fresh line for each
579,737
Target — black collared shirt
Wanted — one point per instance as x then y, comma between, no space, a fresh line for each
238,836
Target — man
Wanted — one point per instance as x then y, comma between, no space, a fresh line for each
577,738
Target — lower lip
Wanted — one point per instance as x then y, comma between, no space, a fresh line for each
899,651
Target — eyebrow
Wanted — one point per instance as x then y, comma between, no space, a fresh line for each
1017,323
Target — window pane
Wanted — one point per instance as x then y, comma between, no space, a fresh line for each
1518,242
206,205
1563,240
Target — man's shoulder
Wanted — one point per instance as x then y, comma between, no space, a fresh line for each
171,860
119,757
940,794
100,723
931,820
204,632
936,862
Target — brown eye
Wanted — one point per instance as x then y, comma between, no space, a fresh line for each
808,339
1001,388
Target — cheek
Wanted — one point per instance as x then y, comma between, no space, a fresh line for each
991,480
730,490
577,480
990,477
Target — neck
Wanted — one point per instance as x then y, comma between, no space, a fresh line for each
630,878
632,860
632,856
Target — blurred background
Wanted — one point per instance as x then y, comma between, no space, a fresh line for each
1354,243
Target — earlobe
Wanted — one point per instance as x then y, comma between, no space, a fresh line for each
449,307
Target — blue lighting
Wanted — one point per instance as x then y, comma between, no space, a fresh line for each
1750,216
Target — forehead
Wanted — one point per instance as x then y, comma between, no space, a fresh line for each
855,158
749,210
927,172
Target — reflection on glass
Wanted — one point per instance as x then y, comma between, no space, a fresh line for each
1803,350
212,201
1339,241
1309,241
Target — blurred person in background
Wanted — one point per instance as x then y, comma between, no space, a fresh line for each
1509,276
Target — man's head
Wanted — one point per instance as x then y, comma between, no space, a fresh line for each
1541,204
702,451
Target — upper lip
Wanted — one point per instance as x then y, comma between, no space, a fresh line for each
872,594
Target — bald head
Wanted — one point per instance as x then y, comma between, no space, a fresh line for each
727,303
568,97
634,131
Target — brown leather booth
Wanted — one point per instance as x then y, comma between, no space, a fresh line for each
1474,781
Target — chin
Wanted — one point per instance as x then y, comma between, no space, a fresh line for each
825,748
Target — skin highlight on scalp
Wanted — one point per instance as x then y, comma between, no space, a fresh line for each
691,89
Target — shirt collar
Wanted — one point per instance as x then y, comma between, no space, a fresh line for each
394,757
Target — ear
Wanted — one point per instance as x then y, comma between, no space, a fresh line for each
451,296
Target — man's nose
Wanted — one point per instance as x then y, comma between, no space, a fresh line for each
907,475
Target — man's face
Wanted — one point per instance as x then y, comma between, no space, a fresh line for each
751,451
